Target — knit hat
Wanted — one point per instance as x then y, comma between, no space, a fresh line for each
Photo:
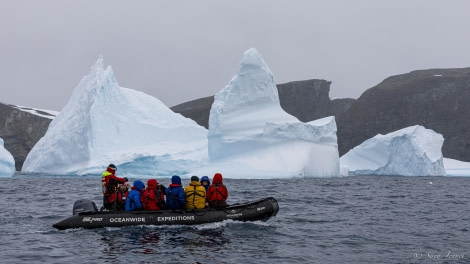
112,166
195,178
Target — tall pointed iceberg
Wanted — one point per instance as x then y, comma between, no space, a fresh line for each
104,123
251,136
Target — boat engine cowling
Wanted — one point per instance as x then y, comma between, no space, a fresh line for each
84,206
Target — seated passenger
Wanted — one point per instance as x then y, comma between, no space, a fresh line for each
123,192
133,199
218,193
195,194
205,182
153,198
175,194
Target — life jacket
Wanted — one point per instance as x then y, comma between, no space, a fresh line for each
122,196
108,184
195,195
153,199
217,193
121,200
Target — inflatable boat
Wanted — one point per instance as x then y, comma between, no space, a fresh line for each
86,215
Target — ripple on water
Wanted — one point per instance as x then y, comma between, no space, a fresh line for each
341,220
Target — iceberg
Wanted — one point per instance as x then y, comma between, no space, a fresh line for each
104,123
7,162
456,167
251,136
411,151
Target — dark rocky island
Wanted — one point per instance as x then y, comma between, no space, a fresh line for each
436,99
21,130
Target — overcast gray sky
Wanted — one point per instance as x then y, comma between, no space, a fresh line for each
178,51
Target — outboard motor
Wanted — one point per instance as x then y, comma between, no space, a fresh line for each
84,206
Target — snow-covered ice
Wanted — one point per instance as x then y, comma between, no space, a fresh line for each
251,136
103,123
456,167
411,151
49,114
7,163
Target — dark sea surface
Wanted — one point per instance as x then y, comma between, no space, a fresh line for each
334,220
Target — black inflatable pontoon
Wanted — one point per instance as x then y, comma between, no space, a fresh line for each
86,215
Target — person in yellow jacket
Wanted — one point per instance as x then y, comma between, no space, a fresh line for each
195,194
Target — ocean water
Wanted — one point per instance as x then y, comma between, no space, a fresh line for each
338,220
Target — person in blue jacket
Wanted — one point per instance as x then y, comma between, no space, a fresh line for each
175,194
133,199
205,182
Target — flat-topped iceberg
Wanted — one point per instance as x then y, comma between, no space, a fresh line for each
7,162
456,168
411,151
251,136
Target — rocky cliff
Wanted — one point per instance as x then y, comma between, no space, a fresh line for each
310,100
436,99
198,110
307,100
20,130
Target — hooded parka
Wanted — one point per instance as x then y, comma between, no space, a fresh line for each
217,193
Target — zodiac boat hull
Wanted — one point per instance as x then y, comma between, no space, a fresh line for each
259,210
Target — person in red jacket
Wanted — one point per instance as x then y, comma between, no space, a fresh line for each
109,183
217,193
153,198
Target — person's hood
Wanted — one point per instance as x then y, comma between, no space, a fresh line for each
139,185
152,184
205,178
217,178
176,179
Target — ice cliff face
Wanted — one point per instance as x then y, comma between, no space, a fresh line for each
248,127
104,123
7,163
412,151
